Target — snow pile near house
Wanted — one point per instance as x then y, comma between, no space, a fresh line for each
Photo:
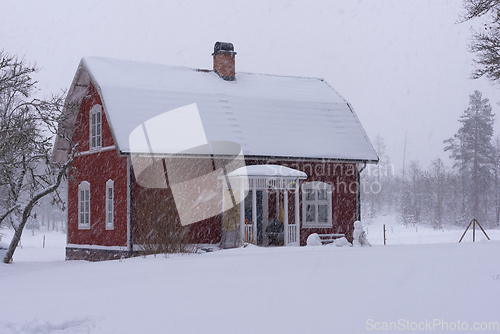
341,242
314,240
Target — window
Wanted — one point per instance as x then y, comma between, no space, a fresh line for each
84,205
95,137
110,193
317,204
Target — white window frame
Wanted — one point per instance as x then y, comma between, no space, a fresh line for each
84,206
317,185
109,205
95,127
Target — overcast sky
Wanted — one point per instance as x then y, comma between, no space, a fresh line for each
403,65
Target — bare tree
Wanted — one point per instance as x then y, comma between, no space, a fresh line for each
477,8
377,182
496,178
437,174
485,42
413,193
24,145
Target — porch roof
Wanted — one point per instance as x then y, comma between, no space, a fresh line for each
268,171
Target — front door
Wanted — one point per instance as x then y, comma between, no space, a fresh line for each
249,217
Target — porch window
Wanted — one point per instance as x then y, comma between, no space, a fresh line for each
317,204
84,205
95,137
110,194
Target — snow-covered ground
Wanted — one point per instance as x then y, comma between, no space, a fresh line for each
400,234
43,246
429,287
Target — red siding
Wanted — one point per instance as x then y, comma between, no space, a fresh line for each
97,169
82,128
342,178
158,206
159,203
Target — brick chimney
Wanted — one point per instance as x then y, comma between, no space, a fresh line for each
224,60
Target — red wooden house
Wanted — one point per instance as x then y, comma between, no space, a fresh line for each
303,141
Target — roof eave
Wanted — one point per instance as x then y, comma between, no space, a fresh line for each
274,157
61,149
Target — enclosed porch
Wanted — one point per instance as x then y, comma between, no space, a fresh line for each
264,202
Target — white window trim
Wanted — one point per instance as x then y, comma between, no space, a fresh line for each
96,109
317,185
103,149
110,184
84,186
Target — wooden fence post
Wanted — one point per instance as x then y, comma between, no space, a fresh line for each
384,234
483,230
473,222
474,230
463,235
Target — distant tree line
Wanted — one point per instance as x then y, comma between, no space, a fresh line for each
439,195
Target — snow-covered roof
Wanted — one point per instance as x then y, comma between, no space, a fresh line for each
269,171
267,115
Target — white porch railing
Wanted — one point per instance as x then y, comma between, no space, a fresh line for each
292,234
248,233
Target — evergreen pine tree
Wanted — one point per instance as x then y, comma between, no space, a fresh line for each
472,150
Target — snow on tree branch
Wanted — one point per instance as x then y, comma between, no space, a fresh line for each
27,172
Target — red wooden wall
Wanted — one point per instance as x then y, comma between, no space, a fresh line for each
342,176
97,168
